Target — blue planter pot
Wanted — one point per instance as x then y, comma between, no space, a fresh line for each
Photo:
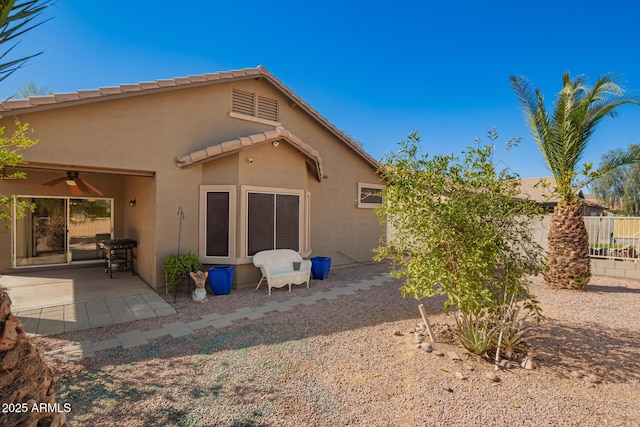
221,279
320,266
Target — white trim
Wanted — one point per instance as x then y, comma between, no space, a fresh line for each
368,185
202,223
249,118
68,259
303,217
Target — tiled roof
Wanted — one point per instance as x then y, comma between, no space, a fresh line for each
39,103
103,93
533,189
235,145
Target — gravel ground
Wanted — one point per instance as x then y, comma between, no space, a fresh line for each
338,363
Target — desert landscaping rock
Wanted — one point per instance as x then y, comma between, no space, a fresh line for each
506,364
528,363
492,376
438,353
426,346
446,387
336,363
397,333
461,376
454,356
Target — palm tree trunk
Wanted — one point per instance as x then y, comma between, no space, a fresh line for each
25,376
568,256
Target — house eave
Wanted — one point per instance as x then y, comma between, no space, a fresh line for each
226,148
82,97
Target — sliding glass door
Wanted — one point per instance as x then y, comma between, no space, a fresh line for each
61,230
89,223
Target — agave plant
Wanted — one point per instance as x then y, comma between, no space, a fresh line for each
475,334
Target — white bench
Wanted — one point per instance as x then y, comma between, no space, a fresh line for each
277,267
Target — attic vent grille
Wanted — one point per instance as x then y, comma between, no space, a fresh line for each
267,108
243,102
251,104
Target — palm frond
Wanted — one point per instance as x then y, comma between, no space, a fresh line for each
563,135
15,20
533,108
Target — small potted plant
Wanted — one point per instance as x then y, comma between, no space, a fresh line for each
177,267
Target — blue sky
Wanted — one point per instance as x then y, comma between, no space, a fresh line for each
377,70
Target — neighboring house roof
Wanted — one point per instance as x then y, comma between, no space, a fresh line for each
533,189
235,145
595,201
61,100
547,195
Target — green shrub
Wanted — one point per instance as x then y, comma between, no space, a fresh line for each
177,267
459,227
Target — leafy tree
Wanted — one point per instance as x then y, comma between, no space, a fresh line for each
563,136
32,89
620,188
15,20
10,155
458,229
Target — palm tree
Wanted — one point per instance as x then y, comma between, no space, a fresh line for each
563,136
15,20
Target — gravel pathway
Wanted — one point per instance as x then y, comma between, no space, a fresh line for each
337,362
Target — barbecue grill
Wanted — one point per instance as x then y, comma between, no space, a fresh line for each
119,253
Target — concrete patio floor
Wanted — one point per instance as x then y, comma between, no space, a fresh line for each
50,302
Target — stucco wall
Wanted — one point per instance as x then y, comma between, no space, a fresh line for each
147,133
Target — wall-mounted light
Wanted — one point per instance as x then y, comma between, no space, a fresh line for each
276,143
132,203
250,159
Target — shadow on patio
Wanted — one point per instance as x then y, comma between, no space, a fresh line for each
50,302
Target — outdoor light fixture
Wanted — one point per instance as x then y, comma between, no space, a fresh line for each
132,203
276,143
250,159
71,182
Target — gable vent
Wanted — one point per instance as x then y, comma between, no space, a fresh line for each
267,108
243,102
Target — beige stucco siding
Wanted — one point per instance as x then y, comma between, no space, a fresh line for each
339,228
148,132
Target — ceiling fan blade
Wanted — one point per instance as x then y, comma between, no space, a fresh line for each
54,182
81,185
75,190
91,187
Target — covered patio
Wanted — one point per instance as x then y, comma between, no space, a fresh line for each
54,301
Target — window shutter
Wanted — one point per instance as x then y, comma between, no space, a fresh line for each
243,102
267,109
217,235
287,222
260,222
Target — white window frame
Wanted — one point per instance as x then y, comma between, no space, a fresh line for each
202,249
303,216
362,185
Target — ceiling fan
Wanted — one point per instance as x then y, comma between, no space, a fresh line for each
77,185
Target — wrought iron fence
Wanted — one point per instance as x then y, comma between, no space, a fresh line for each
612,237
